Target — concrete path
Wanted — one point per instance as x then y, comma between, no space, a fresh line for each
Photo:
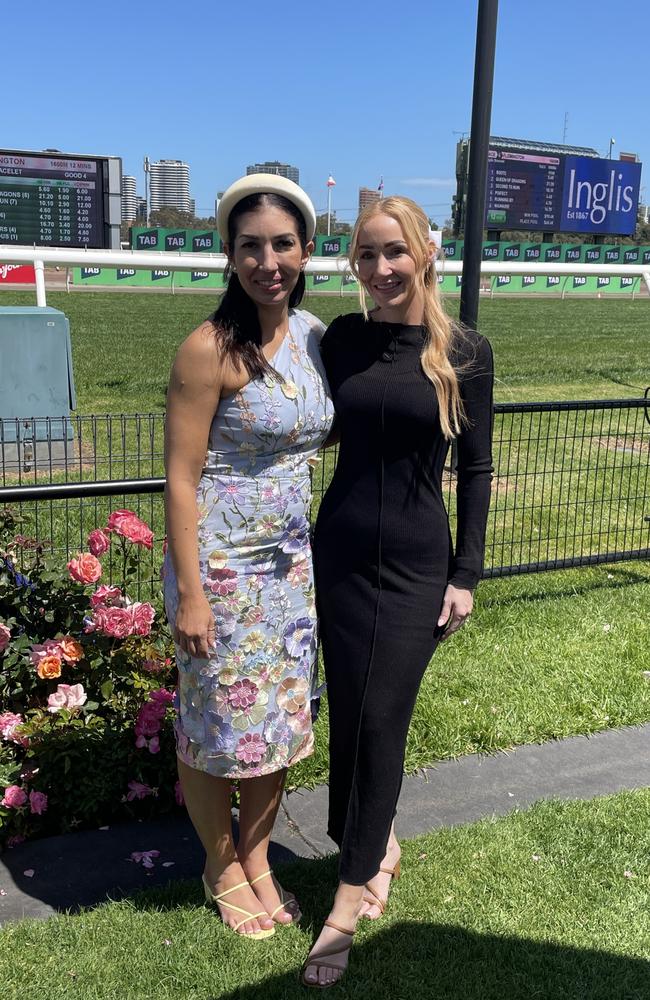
83,869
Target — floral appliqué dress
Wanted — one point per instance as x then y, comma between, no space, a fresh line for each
246,711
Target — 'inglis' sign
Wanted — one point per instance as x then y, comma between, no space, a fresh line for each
600,196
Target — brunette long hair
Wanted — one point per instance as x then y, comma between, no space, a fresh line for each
441,333
236,322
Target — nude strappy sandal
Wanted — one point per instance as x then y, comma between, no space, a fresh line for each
286,897
246,915
376,900
316,961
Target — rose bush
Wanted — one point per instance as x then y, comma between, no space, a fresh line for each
86,679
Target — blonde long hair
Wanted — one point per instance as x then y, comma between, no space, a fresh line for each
440,332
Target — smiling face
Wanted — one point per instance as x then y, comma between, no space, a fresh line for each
388,270
268,255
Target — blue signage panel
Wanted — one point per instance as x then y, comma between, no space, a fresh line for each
600,196
532,190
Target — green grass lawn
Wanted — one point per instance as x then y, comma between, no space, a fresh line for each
550,904
124,343
546,656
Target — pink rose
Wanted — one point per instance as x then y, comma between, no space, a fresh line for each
14,797
37,803
98,542
111,596
9,723
161,697
142,615
85,568
129,526
70,696
5,637
114,622
178,794
138,791
48,648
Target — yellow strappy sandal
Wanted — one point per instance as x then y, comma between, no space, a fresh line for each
286,897
374,899
316,961
219,899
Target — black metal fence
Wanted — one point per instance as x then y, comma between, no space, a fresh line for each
571,484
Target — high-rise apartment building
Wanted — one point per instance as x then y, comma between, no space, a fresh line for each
275,167
129,199
368,196
169,185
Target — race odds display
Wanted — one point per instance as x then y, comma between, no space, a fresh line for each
533,190
58,200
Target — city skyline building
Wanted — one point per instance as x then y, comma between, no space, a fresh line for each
275,167
169,185
368,196
129,198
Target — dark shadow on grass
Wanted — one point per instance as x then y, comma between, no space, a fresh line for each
622,578
419,961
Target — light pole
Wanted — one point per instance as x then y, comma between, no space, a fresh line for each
612,142
146,166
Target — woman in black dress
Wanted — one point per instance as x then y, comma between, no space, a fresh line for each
389,582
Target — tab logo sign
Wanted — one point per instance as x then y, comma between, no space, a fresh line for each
528,279
459,280
579,280
646,256
200,275
349,279
175,241
491,251
603,282
613,255
125,272
512,253
552,280
147,241
600,196
449,250
331,247
533,253
158,274
592,253
90,272
631,256
503,279
553,253
204,241
573,253
627,282
321,279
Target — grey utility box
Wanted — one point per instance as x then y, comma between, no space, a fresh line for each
36,381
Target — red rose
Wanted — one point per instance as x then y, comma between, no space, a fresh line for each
129,526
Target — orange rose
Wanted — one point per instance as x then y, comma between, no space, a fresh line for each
49,667
71,650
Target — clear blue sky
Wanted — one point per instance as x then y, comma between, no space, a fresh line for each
361,89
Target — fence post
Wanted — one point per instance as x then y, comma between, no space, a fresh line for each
39,274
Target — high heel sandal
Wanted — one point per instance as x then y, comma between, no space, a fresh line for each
376,899
219,900
286,897
316,961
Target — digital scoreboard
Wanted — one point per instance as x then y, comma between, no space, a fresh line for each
536,190
59,200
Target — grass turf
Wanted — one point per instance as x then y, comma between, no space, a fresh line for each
548,904
124,343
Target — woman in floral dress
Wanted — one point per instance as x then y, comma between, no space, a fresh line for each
247,410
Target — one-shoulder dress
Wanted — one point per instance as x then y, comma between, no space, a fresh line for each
384,556
246,710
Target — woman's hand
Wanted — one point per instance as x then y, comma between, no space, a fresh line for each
195,629
456,607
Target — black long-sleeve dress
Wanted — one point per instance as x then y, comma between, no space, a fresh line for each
384,555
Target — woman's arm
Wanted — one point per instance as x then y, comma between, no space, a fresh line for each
192,398
473,485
